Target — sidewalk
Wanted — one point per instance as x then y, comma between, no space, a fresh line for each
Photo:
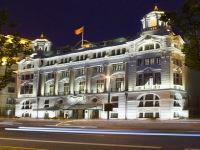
175,125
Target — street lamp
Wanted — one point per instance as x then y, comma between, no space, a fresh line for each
108,111
38,99
126,95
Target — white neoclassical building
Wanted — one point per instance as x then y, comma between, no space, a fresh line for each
144,77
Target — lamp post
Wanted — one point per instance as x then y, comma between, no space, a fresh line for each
108,112
126,95
37,105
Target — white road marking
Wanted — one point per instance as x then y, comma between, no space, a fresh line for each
101,131
81,143
20,148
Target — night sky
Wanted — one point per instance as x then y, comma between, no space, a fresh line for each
102,19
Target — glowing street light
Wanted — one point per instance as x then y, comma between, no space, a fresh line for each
108,105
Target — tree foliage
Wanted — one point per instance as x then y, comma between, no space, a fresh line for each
187,22
12,49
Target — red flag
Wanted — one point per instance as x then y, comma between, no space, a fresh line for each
79,30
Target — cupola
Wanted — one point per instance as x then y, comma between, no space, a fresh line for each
41,44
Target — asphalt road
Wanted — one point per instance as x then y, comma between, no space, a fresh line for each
52,138
30,134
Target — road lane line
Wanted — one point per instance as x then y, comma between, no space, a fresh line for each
99,131
82,143
20,148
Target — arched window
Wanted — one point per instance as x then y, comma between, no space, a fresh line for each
141,48
149,100
157,46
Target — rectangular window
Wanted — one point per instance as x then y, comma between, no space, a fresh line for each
100,86
120,84
94,55
177,79
82,87
11,90
123,50
104,54
157,78
115,105
46,103
147,78
26,89
149,46
147,61
99,55
114,67
50,76
118,52
51,89
139,81
113,53
61,61
114,115
115,99
99,69
139,62
140,115
157,60
81,58
77,58
64,74
86,56
66,88
81,72
152,61
148,115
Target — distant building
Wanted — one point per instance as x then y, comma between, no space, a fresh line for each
144,76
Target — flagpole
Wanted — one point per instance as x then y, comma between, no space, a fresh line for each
82,38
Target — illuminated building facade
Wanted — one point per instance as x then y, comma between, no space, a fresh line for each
144,76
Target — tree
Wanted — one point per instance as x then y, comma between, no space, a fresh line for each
12,49
187,22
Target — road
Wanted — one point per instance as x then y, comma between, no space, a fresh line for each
57,138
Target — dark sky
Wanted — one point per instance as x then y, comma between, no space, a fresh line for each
103,19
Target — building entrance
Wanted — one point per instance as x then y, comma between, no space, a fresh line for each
94,114
78,114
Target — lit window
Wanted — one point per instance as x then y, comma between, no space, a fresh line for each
100,86
177,78
149,100
51,89
157,60
26,89
149,46
120,84
66,88
99,69
46,103
82,87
